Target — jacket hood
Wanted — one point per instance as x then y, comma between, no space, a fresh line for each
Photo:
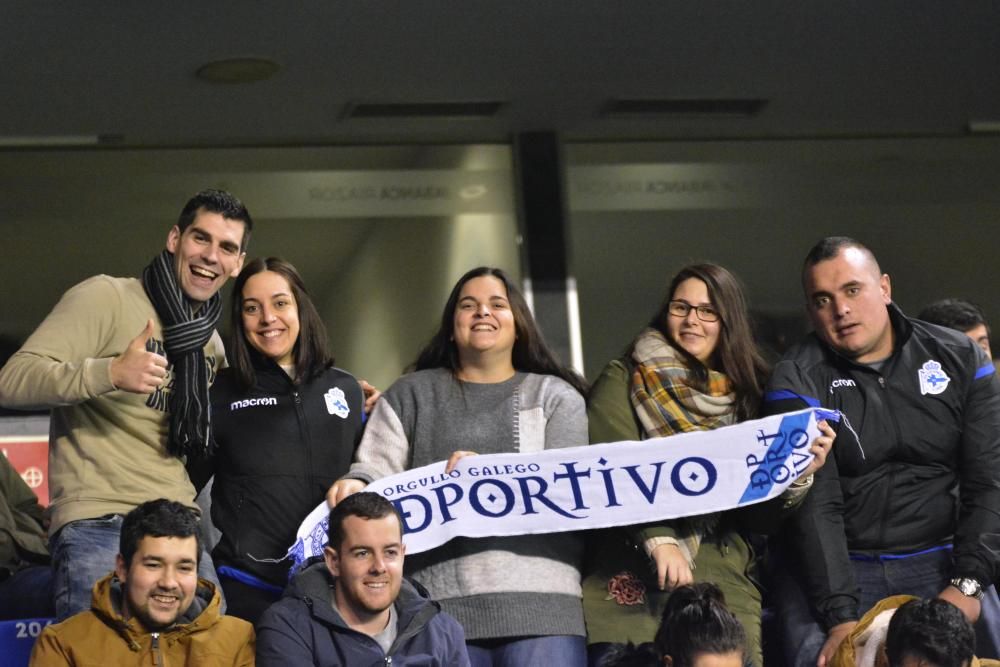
106,603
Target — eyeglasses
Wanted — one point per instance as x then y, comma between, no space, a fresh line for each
704,313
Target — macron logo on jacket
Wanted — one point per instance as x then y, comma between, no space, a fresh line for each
252,402
842,382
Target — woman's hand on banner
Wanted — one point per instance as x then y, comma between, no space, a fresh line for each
455,458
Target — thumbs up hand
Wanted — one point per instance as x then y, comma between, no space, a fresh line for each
137,370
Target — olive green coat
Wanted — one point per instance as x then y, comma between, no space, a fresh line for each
725,557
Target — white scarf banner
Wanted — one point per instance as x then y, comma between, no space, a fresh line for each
597,486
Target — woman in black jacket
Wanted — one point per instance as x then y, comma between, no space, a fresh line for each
286,423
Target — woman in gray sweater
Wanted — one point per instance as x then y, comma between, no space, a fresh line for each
486,383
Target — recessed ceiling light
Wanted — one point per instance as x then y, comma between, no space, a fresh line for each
984,127
238,70
441,110
36,141
684,107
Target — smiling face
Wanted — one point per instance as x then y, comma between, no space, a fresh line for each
368,567
270,316
696,337
160,584
847,300
206,254
484,322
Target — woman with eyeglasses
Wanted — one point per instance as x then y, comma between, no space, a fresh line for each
694,367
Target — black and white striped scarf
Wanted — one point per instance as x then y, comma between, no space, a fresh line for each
185,333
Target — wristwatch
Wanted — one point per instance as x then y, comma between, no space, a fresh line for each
968,586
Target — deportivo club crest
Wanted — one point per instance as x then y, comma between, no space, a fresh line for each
336,402
933,380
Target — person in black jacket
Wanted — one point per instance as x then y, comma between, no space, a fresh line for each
286,424
910,504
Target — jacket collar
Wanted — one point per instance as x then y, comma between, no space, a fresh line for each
106,603
270,375
314,586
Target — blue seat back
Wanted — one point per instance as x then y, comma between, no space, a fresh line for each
18,637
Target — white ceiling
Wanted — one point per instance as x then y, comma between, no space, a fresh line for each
826,69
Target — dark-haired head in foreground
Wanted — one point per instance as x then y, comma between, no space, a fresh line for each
157,562
697,623
929,633
697,629
365,557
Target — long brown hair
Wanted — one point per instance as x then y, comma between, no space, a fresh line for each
312,352
736,353
530,353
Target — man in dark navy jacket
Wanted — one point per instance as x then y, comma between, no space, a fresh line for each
911,503
355,609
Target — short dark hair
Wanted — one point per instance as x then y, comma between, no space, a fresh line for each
311,350
830,247
157,518
696,620
221,202
367,505
630,655
530,353
931,630
954,314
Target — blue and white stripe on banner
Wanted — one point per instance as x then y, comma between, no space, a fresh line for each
598,486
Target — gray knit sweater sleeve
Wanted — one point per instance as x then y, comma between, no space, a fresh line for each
384,449
552,414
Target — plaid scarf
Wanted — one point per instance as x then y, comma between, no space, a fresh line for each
664,394
667,400
186,330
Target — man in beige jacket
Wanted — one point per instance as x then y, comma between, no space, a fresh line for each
125,364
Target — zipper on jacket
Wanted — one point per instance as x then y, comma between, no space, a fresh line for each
304,430
157,654
239,522
892,474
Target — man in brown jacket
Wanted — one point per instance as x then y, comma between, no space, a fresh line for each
153,609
